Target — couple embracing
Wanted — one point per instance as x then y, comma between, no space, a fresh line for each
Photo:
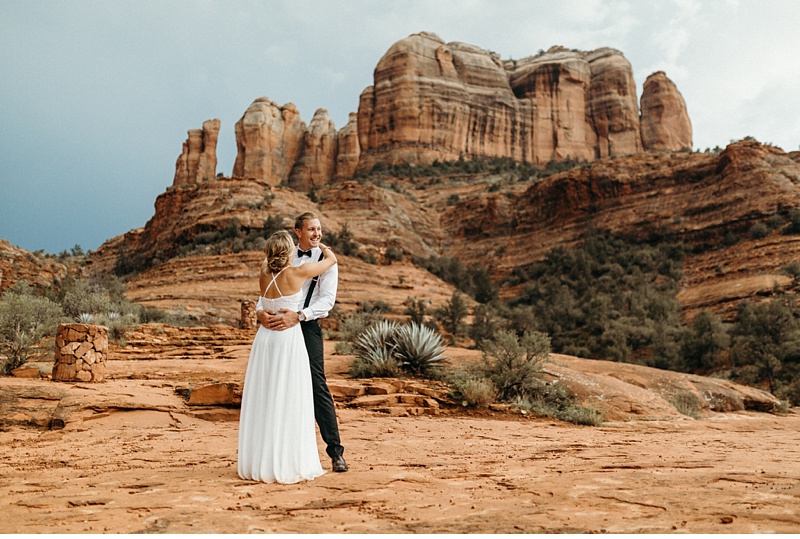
285,387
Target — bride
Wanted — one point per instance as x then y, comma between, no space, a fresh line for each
277,437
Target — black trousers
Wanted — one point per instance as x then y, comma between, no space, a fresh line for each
324,410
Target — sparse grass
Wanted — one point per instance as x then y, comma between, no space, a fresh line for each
686,403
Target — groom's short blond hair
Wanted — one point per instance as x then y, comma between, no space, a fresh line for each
307,216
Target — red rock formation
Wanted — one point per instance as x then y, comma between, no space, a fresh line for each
269,139
347,149
317,160
665,121
20,265
432,100
553,88
198,160
612,104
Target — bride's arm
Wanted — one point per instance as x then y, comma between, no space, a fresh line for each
312,269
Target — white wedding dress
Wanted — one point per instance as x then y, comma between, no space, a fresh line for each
277,434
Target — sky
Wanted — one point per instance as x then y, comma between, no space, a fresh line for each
97,96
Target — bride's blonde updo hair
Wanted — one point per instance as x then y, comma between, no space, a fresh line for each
278,249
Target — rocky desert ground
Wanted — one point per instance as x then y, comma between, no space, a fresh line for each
138,453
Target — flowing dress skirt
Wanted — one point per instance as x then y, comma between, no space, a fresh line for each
277,434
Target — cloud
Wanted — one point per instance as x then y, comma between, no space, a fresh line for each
97,95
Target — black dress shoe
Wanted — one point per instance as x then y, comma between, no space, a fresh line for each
338,464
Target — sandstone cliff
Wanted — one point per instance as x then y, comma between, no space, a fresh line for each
269,139
198,160
665,120
317,161
433,100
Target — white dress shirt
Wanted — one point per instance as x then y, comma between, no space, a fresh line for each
324,295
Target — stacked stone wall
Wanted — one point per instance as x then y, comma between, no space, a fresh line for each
248,319
81,353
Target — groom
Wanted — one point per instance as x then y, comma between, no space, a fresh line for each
320,296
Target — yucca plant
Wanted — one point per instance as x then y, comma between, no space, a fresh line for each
418,348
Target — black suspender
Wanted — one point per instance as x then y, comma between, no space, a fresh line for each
313,284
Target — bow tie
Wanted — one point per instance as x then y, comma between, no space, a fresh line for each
301,253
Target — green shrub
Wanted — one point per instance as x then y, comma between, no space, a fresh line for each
485,323
474,281
24,321
758,231
394,253
766,345
703,343
472,389
512,363
342,241
451,315
82,296
612,297
416,309
553,400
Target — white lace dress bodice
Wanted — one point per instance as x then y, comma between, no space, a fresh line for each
292,302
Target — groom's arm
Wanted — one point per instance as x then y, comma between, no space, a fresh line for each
277,322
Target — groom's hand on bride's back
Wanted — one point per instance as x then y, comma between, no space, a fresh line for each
278,322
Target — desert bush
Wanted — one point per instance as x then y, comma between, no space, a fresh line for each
353,325
486,322
342,241
393,253
512,363
82,296
794,222
472,389
553,400
686,403
374,307
416,309
611,297
474,280
758,231
451,315
24,321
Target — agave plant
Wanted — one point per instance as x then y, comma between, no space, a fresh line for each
376,337
417,347
85,318
375,363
